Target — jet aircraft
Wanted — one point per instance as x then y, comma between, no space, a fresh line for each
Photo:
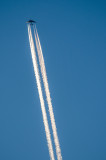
31,22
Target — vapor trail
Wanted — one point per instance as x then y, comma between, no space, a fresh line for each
36,71
46,86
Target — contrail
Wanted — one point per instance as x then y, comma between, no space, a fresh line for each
36,71
46,86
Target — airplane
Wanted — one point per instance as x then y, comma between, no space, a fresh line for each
31,22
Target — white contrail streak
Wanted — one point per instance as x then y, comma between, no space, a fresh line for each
46,86
36,71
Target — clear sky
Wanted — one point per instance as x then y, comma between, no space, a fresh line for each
73,39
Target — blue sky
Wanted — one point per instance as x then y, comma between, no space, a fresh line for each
73,39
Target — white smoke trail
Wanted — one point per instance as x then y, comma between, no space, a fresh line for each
36,71
46,86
